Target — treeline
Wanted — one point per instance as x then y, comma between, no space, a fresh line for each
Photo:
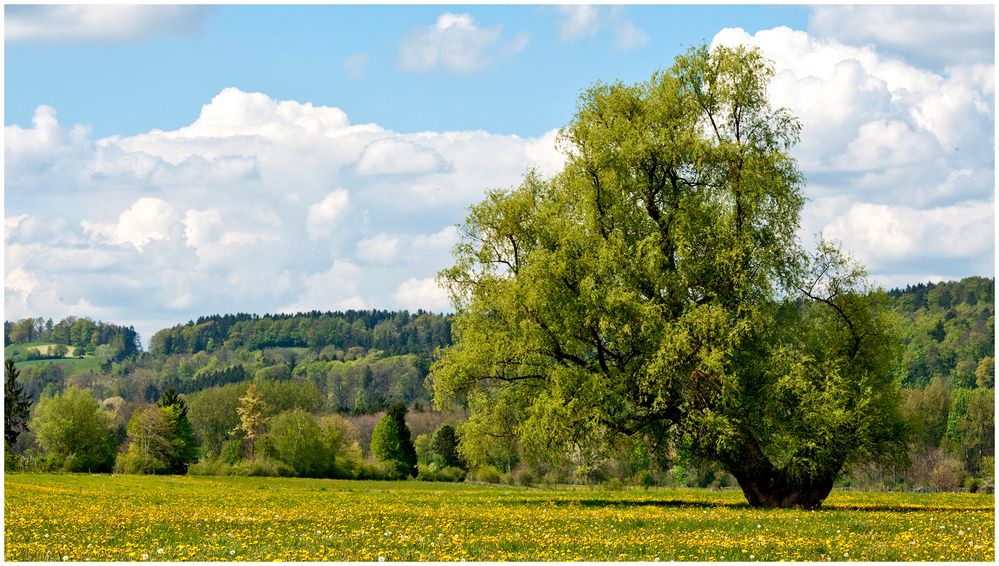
343,370
391,332
949,332
82,333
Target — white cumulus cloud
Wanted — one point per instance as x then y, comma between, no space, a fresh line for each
393,156
326,212
939,35
898,157
248,208
454,43
576,22
424,294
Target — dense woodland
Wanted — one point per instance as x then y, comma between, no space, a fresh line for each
342,371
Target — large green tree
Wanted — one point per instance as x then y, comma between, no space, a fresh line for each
74,432
655,288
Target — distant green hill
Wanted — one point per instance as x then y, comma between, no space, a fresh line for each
363,360
949,330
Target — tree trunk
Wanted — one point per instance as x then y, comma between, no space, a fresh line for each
772,490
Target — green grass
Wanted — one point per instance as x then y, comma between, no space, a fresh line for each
70,366
81,517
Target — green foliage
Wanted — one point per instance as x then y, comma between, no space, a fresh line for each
74,433
446,474
445,444
298,440
655,288
183,443
393,332
72,331
391,441
949,331
16,406
150,447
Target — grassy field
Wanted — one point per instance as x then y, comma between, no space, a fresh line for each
81,517
70,366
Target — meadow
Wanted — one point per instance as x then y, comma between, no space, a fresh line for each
136,518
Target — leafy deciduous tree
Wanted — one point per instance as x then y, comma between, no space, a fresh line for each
252,419
74,432
298,441
656,288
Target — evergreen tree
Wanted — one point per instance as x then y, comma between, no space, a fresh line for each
16,406
392,442
445,443
183,444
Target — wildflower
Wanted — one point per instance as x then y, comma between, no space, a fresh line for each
159,551
65,558
145,557
381,559
846,555
231,552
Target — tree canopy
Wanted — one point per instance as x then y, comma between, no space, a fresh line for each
656,289
74,432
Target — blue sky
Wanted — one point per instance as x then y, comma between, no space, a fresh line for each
164,162
300,52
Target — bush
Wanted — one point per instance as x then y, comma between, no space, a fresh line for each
972,484
615,484
213,467
645,479
136,463
947,475
524,477
487,474
448,474
263,466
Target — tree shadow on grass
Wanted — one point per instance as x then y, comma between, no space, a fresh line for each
679,503
667,503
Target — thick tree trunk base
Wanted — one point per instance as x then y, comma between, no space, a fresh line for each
774,492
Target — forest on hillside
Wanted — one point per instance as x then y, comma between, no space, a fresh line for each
357,364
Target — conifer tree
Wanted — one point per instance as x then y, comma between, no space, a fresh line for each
16,406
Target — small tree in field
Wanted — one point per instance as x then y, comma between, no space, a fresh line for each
252,419
392,442
656,289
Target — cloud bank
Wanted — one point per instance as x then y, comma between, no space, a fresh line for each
259,205
899,158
